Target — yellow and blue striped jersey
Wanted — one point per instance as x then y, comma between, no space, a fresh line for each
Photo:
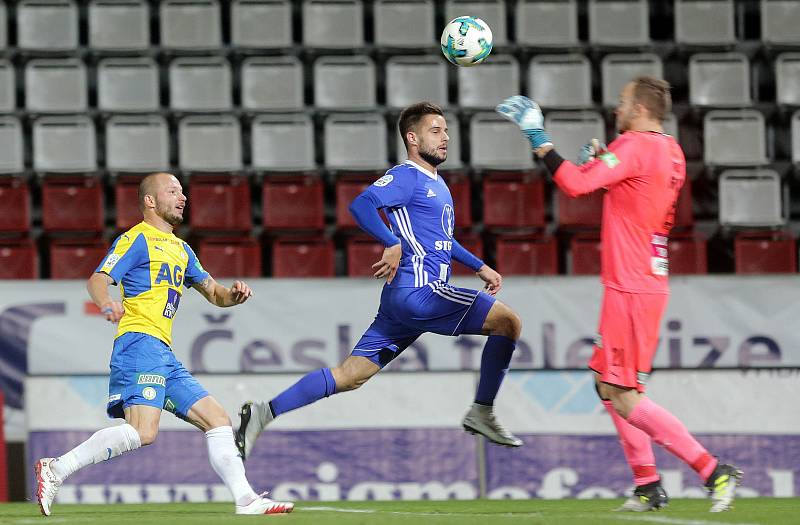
151,266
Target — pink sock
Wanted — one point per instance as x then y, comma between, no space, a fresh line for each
637,448
669,432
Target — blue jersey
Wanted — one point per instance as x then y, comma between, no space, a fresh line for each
420,211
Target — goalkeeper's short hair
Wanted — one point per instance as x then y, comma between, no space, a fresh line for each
653,93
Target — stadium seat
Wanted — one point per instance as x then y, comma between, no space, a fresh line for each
787,79
560,81
45,25
571,130
249,18
209,143
461,191
513,200
484,87
302,257
272,83
472,243
619,23
56,85
200,84
75,258
348,189
412,78
293,202
344,82
705,22
496,143
18,259
584,257
333,24
719,80
137,143
526,254
779,22
687,254
585,211
454,161
619,69
8,87
119,26
128,84
671,126
228,257
64,144
547,23
491,12
72,204
190,24
362,253
220,203
3,26
735,138
126,202
765,252
355,141
283,142
15,205
12,159
751,198
405,24
796,137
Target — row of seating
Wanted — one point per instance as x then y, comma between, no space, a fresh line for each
315,256
332,24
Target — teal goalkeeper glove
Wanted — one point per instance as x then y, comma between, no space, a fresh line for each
526,114
591,151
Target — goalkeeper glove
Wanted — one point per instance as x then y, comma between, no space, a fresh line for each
526,114
591,151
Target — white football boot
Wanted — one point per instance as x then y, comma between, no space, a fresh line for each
47,484
253,419
264,505
481,420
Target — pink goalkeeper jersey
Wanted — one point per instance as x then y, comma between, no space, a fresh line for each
643,173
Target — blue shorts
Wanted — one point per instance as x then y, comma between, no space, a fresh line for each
407,313
144,371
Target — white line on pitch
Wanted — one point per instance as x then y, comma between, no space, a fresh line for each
407,513
674,521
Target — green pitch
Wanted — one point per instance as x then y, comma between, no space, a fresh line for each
762,511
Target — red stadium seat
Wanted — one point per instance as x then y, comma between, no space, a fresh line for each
765,252
126,199
473,243
15,205
72,204
585,254
302,257
526,255
348,189
460,190
687,254
362,253
225,257
293,203
585,211
513,200
75,258
18,259
220,203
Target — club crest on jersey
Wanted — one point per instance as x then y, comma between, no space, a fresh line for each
448,220
383,181
609,159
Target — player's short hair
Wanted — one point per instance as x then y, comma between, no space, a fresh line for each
411,116
653,93
148,186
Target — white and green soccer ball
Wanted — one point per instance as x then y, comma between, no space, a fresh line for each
466,41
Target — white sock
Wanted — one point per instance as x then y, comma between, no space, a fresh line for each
228,465
101,446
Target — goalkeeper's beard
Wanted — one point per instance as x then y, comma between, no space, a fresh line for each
431,158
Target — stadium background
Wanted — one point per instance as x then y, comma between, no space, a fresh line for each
276,114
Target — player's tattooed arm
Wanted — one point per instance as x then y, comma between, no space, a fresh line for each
219,295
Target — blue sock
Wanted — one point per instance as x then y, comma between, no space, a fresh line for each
494,365
310,388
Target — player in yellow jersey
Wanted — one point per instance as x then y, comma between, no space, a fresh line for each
151,266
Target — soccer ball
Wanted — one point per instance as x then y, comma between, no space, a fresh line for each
466,41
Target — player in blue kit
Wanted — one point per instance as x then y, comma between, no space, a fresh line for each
152,265
416,297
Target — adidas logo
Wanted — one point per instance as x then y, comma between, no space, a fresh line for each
430,193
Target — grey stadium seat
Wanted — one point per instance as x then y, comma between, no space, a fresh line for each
127,84
705,22
570,130
344,82
619,69
787,79
405,23
3,26
491,12
670,125
137,143
355,142
47,25
410,79
547,23
8,87
751,198
496,143
719,79
64,144
261,23
734,138
560,81
209,143
779,22
12,158
486,86
190,24
619,22
796,137
333,24
453,146
119,25
283,142
272,83
200,84
56,85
